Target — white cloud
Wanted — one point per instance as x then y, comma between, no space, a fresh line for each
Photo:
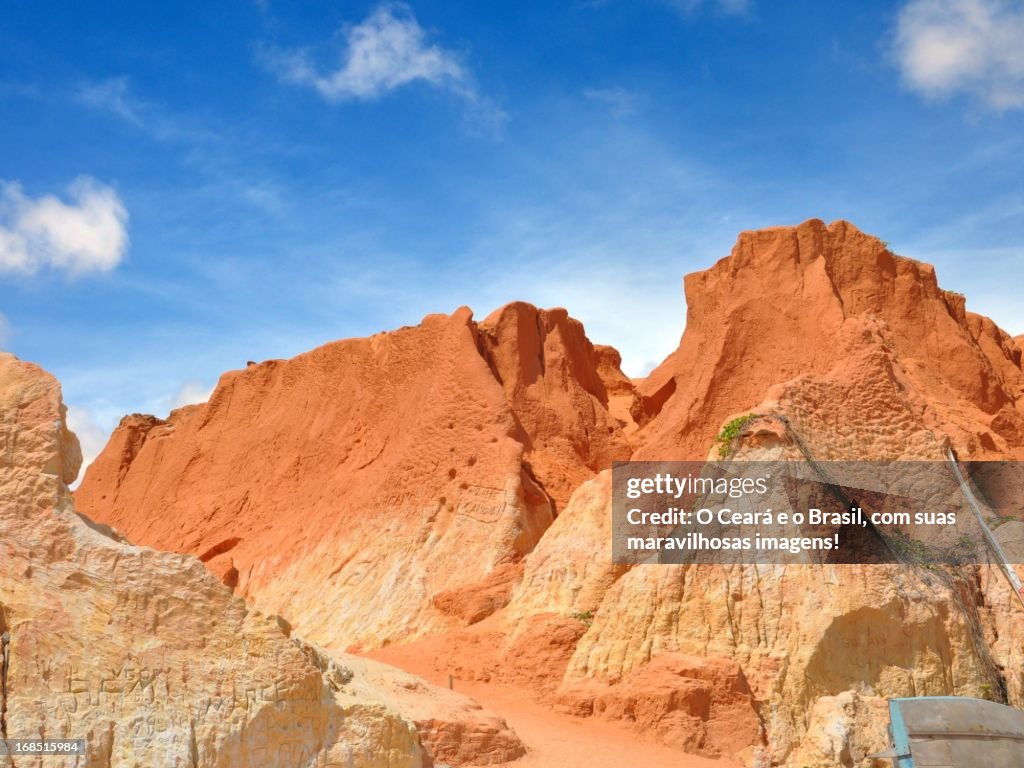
91,436
387,50
190,393
970,46
90,233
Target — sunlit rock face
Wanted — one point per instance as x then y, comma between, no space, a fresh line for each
405,475
833,313
145,654
449,484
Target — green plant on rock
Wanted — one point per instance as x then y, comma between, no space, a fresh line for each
730,432
586,617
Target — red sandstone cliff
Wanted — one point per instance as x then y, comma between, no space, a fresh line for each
381,489
834,303
405,474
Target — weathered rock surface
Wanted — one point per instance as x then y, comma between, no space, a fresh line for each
858,355
477,493
796,633
395,472
795,303
571,569
557,385
845,730
453,728
697,704
145,654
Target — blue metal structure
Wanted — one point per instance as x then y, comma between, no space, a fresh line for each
954,732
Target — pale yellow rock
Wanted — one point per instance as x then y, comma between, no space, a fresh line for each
571,568
145,654
799,632
454,728
844,730
802,634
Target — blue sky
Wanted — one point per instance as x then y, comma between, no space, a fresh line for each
188,186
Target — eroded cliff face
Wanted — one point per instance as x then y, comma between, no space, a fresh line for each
813,304
847,353
559,388
801,640
405,474
487,476
145,654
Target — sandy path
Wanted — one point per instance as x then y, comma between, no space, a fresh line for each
555,740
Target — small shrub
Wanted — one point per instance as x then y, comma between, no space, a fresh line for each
730,432
586,617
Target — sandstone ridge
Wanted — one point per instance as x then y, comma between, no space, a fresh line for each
447,487
153,661
431,457
823,307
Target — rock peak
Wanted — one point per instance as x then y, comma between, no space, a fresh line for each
830,302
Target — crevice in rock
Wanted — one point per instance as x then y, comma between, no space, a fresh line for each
219,549
484,340
540,344
5,664
968,594
528,470
644,409
193,748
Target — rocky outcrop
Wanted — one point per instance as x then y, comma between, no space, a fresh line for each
699,704
799,633
402,474
571,569
558,386
144,654
845,730
402,487
848,353
453,728
798,303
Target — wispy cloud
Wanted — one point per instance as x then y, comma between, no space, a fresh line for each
116,97
619,101
384,52
111,95
91,436
87,234
729,7
223,156
5,331
190,393
963,46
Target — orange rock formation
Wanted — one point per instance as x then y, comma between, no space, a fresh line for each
447,484
406,473
827,305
